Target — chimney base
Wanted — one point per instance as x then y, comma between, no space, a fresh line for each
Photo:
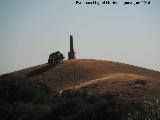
71,55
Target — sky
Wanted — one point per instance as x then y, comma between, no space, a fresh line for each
32,29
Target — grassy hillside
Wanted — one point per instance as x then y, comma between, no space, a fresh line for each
97,76
79,90
26,99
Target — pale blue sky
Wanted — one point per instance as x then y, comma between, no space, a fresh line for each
31,29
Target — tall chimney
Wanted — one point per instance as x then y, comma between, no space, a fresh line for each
71,54
71,44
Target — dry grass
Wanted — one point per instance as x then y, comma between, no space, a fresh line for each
97,76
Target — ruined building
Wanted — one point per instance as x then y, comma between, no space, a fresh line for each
71,54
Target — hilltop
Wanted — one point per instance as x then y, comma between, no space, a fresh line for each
97,76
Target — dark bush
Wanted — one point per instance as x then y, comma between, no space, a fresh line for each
150,110
24,99
14,89
75,105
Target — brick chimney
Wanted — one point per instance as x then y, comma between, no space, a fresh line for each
71,54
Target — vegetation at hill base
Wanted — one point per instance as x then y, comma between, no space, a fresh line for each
26,99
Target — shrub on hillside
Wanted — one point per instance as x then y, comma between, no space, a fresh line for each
24,99
150,110
14,89
77,105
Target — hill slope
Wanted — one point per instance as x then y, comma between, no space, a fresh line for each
97,76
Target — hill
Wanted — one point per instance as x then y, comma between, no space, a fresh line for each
96,76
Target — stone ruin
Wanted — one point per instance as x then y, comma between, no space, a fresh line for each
55,58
